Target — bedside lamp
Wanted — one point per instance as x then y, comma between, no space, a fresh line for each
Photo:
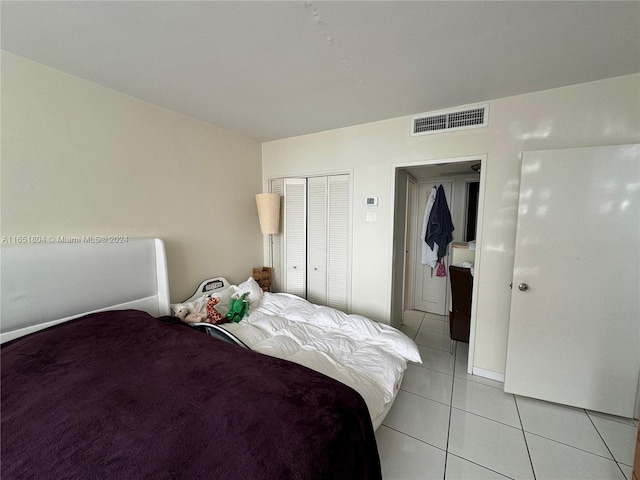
269,212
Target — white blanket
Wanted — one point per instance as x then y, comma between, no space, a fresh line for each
368,356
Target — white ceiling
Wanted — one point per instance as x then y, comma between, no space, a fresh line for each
271,70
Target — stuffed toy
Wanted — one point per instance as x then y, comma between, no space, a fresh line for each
239,308
213,315
187,316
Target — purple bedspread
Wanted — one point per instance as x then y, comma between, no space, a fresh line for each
123,395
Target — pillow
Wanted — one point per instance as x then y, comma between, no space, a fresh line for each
252,288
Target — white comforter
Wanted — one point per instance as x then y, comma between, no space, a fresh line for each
368,356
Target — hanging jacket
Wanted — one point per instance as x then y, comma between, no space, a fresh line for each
429,255
440,226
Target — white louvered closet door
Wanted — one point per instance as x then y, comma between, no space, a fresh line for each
338,242
317,240
295,229
314,251
277,242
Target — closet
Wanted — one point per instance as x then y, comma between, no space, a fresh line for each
311,257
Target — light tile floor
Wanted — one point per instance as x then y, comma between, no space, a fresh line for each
446,424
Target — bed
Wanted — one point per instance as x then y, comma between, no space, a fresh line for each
368,356
99,381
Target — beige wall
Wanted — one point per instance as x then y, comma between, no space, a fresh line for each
80,159
597,113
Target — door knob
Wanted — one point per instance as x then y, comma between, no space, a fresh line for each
523,287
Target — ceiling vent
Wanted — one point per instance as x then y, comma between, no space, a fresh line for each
474,116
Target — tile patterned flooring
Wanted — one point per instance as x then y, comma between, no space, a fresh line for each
446,424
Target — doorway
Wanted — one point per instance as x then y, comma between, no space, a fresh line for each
405,220
429,293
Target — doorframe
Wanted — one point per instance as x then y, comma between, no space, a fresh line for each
409,281
397,264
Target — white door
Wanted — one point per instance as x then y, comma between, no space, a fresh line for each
295,231
317,240
277,242
575,315
430,293
339,242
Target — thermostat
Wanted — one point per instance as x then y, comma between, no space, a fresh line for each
371,201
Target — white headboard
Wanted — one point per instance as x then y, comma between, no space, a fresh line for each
45,284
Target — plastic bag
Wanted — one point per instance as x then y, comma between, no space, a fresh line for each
442,271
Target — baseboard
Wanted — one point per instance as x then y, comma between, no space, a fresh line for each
481,372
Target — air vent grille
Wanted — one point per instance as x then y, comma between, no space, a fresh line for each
429,124
455,119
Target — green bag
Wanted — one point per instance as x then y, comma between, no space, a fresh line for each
239,308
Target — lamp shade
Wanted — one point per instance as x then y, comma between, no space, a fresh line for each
269,212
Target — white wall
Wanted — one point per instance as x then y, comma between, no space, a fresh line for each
80,159
598,113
